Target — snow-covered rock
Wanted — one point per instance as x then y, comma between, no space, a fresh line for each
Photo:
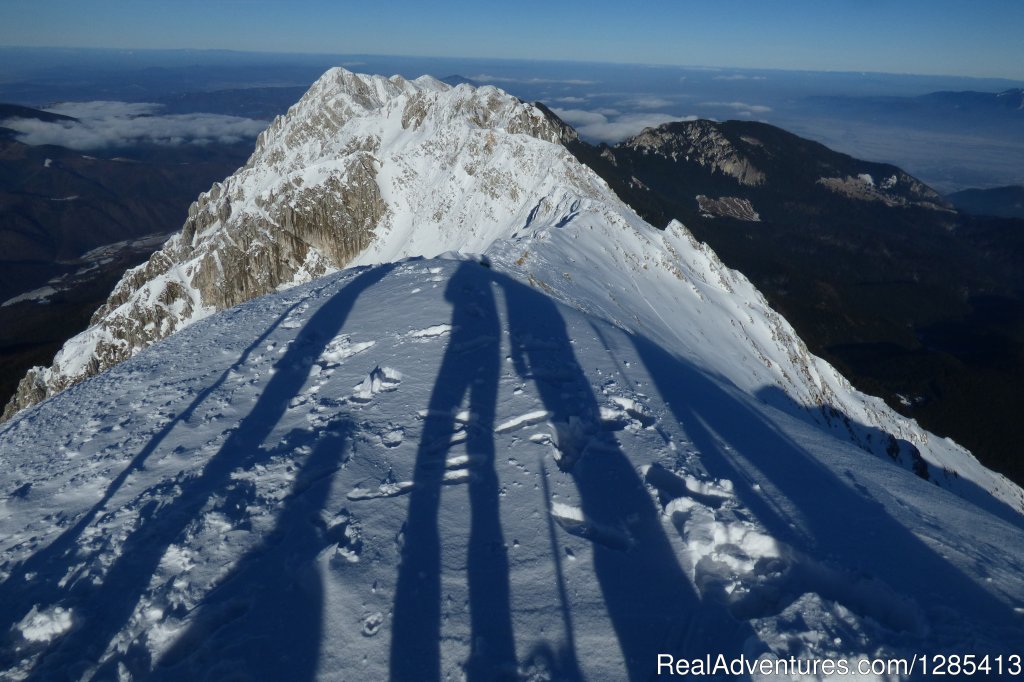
352,168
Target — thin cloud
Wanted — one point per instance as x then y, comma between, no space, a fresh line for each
602,128
105,109
739,106
648,102
570,100
580,117
103,124
739,77
488,78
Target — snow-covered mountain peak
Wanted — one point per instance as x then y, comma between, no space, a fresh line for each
362,166
367,169
330,108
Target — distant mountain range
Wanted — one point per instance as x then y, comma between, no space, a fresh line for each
1008,100
1008,103
257,102
1001,202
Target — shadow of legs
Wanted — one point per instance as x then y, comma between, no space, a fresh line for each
470,364
103,609
275,591
651,604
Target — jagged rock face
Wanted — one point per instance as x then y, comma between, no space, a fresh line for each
728,207
760,164
356,161
701,142
899,189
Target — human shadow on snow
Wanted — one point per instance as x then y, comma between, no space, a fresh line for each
264,619
866,558
649,600
891,449
159,526
48,566
470,366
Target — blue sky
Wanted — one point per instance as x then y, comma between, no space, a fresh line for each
951,37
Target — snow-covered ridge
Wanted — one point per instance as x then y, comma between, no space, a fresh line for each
365,169
316,484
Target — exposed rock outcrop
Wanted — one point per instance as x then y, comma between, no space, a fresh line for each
701,142
728,207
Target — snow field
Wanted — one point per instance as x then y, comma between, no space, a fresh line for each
214,534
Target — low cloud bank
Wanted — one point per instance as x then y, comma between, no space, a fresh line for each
103,124
739,77
742,107
609,125
489,78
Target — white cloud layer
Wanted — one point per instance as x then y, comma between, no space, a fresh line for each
488,78
103,124
602,127
648,102
740,106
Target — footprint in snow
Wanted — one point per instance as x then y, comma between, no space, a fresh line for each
573,521
345,533
523,420
626,413
672,486
340,349
372,624
294,320
431,332
393,438
456,473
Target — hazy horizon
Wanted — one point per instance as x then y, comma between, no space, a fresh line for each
874,116
925,37
1011,81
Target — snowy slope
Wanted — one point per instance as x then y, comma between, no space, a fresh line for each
267,494
634,453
